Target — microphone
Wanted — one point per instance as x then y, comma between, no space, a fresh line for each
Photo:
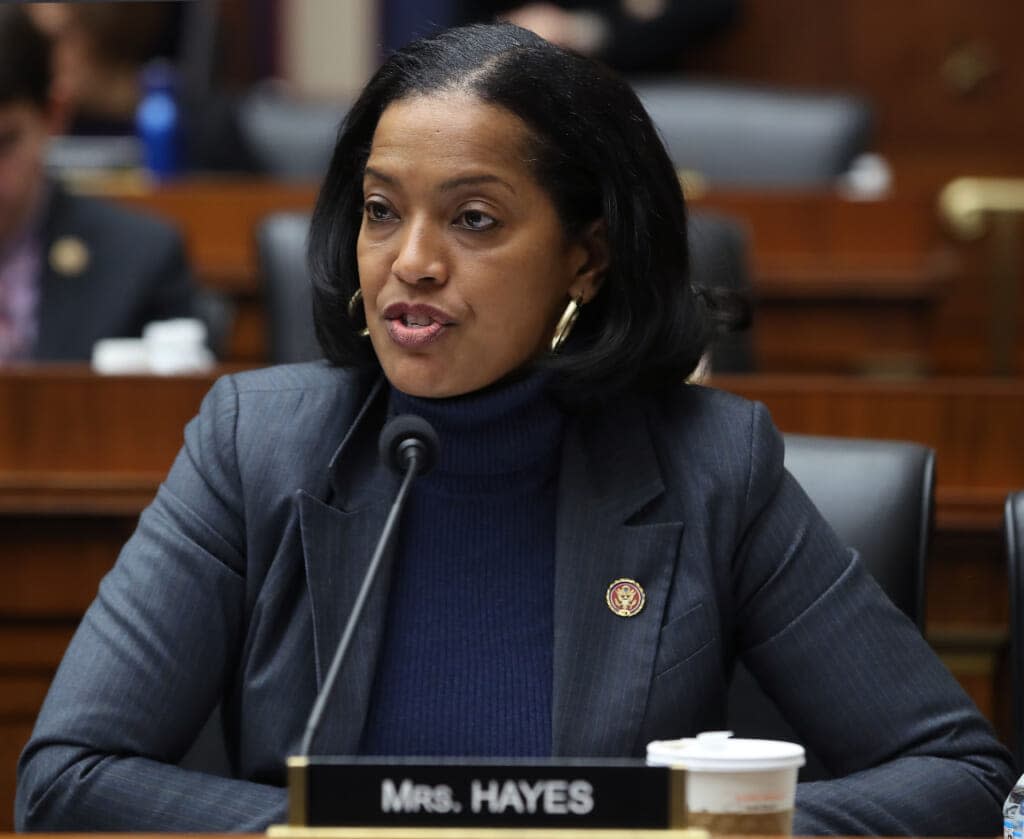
408,439
409,445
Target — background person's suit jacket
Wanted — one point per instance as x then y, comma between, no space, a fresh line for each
134,272
238,582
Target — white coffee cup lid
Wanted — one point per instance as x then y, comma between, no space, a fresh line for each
183,330
120,355
718,751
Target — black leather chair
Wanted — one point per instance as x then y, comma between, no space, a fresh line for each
1014,522
731,135
281,245
878,497
209,752
718,252
719,248
289,137
745,136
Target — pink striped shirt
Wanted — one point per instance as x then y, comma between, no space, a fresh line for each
19,295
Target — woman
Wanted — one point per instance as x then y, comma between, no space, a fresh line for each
502,236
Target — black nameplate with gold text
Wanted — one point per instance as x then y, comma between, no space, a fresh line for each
338,792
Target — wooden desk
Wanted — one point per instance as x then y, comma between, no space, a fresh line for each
81,454
74,442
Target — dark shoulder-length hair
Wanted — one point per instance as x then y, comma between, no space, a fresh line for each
598,156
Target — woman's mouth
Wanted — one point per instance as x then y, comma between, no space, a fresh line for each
414,326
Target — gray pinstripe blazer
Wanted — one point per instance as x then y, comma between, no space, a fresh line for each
237,583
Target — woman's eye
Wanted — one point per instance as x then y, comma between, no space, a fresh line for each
476,220
377,211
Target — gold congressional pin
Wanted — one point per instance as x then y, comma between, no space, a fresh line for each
69,256
625,597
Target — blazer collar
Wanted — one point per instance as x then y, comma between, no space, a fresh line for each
612,524
339,535
358,478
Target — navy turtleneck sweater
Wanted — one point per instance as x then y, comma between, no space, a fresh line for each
465,667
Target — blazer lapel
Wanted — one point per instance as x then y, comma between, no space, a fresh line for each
338,540
608,528
62,298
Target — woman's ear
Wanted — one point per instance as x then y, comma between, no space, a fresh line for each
593,261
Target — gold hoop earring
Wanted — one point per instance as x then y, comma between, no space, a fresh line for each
353,304
566,323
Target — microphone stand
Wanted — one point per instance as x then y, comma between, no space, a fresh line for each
416,460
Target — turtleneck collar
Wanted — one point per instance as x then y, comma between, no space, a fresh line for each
512,429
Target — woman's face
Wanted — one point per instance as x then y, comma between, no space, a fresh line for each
463,262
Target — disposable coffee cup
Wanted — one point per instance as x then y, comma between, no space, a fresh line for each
177,346
120,355
734,786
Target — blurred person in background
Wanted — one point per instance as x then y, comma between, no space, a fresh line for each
72,269
98,49
100,54
632,36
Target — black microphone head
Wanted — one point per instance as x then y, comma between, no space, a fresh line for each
407,436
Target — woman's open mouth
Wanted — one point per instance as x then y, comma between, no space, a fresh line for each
415,325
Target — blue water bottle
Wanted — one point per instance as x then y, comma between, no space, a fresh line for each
158,120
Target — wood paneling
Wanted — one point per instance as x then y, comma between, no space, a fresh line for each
945,79
80,456
843,286
973,424
219,217
946,76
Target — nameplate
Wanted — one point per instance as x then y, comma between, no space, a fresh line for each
575,794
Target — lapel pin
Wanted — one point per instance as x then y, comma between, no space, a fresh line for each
625,597
69,256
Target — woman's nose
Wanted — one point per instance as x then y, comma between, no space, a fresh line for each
421,256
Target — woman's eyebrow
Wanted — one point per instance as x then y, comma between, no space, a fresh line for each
474,180
369,171
448,185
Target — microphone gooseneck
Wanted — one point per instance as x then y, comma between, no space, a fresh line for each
409,445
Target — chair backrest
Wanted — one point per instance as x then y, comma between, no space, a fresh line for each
878,497
733,135
1014,521
736,135
281,245
719,251
288,137
209,752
